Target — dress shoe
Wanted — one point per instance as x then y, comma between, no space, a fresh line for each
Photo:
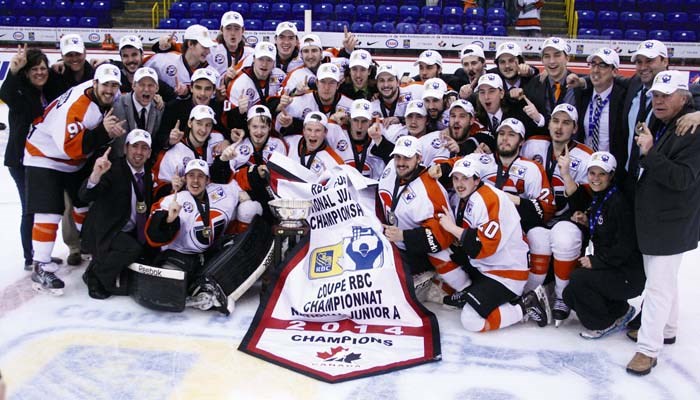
641,364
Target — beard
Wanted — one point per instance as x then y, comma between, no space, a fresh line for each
507,153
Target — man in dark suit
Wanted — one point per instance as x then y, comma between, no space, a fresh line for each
121,196
138,108
599,106
666,206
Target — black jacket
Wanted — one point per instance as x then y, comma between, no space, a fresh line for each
618,131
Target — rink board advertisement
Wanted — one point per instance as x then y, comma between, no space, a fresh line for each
341,307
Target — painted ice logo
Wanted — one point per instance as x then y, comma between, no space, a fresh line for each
339,355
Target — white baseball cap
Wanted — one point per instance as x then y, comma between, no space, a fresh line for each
108,73
556,43
471,165
514,124
650,49
361,58
265,49
286,26
387,69
328,70
205,73
138,135
464,105
232,17
316,116
310,40
202,112
492,80
259,111
604,160
511,48
146,72
568,109
472,50
668,82
407,146
361,108
434,87
197,164
608,55
72,43
200,34
130,40
430,57
416,107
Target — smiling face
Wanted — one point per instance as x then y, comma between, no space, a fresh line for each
490,98
259,128
508,142
200,129
388,86
286,43
598,179
311,56
554,63
105,92
406,165
262,66
38,75
74,61
463,185
647,68
196,181
359,76
314,135
132,58
602,74
202,90
144,91
197,52
137,154
509,66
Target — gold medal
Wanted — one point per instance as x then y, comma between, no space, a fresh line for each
206,232
140,207
391,218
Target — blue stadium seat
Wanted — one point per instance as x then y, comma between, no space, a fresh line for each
692,6
677,20
587,33
660,35
452,15
281,11
636,35
46,22
383,27
26,20
240,7
8,20
198,9
409,13
270,24
653,19
496,30
647,5
184,23
67,22
80,8
338,26
496,14
299,23
40,7
406,28
431,14
586,19
323,11
625,4
259,11
345,12
217,9
298,10
361,27
684,36
607,18
61,8
629,19
366,13
451,29
475,15
613,34
101,8
601,5
584,4
387,13
413,2
473,29
213,24
319,26
453,3
252,24
22,8
168,23
88,22
178,10
428,29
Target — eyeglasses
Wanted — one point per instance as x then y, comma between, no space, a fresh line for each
599,65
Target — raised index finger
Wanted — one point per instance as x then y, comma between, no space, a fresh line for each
177,125
106,153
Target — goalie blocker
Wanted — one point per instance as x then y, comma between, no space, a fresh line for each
229,273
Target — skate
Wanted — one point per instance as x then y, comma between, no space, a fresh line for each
421,284
44,279
456,300
560,311
616,326
535,305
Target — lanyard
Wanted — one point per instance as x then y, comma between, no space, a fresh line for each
204,148
204,212
302,153
360,157
258,154
551,162
262,92
660,133
599,210
389,112
459,214
331,107
594,117
501,174
395,196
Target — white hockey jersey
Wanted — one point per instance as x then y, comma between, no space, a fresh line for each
432,150
244,84
171,65
55,141
379,109
302,105
176,158
318,162
220,59
373,166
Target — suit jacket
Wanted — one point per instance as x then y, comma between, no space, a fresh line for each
668,193
617,131
124,110
537,92
111,206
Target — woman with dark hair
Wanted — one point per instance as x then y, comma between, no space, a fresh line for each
23,92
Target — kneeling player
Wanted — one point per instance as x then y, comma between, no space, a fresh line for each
493,250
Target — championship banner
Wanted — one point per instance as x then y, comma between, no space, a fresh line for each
343,305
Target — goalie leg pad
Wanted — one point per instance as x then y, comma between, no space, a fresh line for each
159,288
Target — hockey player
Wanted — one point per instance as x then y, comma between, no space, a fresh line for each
287,43
473,63
391,101
302,78
410,202
131,55
230,53
491,245
433,96
359,82
58,146
311,149
560,238
354,146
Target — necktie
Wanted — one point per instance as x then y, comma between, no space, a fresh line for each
641,117
494,124
557,91
140,217
642,113
596,122
141,123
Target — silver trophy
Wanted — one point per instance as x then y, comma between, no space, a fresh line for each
291,212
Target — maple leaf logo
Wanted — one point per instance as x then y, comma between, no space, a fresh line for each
339,354
327,355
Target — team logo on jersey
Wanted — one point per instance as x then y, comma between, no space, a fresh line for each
272,146
170,70
185,160
470,207
244,150
386,173
312,81
188,207
217,194
316,166
575,163
436,143
600,220
485,159
342,145
250,93
409,195
219,59
537,158
517,171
